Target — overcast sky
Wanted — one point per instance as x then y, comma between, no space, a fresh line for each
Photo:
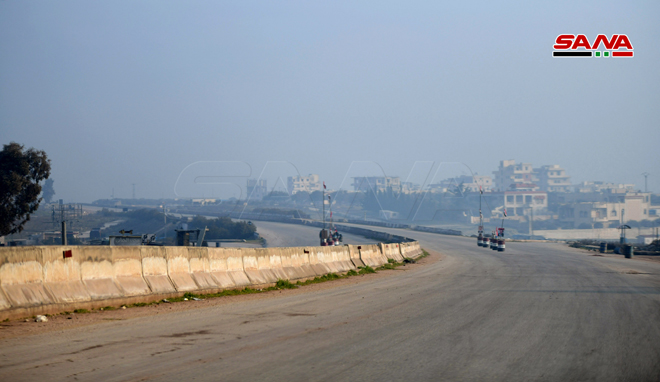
186,98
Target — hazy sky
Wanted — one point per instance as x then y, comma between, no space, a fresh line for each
122,92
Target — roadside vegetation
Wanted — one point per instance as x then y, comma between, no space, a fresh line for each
224,228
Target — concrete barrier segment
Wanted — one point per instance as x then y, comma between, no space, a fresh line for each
178,268
235,267
276,263
32,278
354,254
154,271
200,269
97,276
62,276
295,263
318,266
127,267
22,283
372,256
219,268
251,268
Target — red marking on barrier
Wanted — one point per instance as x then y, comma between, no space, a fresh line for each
68,253
306,251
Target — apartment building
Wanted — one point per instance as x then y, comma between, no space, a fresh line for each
309,183
376,183
256,189
553,178
466,182
608,210
525,202
510,173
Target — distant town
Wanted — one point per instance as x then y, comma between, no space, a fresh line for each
529,202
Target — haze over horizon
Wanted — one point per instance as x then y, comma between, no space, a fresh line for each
186,98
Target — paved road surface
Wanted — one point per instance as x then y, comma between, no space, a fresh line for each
291,235
538,312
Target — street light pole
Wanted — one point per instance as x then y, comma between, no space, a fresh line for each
646,176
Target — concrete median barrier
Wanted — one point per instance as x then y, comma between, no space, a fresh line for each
354,254
252,262
23,284
277,265
43,279
316,258
127,266
235,267
62,276
178,268
410,249
4,301
200,270
219,268
154,270
371,255
391,251
295,263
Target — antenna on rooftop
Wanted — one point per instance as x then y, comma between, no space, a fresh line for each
646,178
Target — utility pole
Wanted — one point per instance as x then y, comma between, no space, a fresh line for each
64,241
68,212
646,178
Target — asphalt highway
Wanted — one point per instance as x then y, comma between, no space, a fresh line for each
537,312
289,235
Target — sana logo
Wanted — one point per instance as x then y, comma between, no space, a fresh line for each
568,45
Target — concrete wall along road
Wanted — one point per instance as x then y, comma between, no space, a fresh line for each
39,279
354,254
391,251
410,249
372,256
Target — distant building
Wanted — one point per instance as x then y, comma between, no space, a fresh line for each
466,183
553,178
203,202
410,187
387,215
613,188
608,209
511,173
256,189
309,183
377,183
525,202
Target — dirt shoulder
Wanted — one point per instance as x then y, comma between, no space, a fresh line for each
19,327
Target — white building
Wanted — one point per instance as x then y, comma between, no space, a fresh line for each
309,183
256,189
615,188
377,183
510,173
465,183
611,211
553,178
525,202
